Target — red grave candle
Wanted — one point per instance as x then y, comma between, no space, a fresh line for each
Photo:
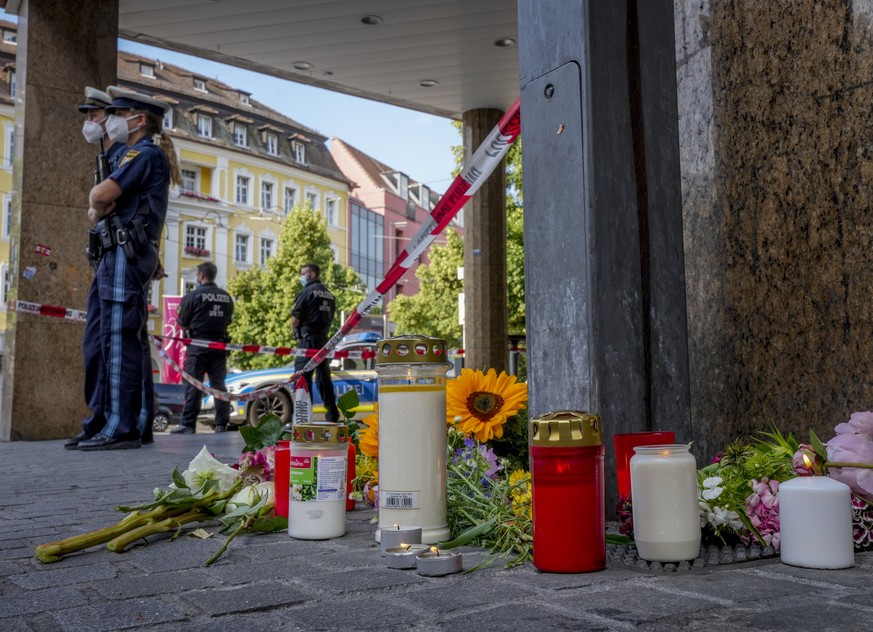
569,522
282,478
350,476
624,449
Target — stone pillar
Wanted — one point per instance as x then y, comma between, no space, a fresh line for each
62,47
485,316
605,285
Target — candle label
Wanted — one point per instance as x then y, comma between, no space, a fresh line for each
319,478
398,500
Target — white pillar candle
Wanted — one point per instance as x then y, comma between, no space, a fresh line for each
666,512
815,523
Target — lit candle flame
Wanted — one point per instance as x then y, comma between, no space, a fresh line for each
396,526
405,546
433,549
807,461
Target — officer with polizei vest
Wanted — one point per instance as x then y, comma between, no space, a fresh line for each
205,314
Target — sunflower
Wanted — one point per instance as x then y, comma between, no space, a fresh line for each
368,436
480,403
519,483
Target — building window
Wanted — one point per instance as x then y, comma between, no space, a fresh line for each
272,144
312,200
241,249
244,99
189,180
204,126
7,216
330,211
147,70
266,250
168,118
13,85
367,246
189,287
195,237
4,291
240,135
10,37
266,195
200,84
242,190
299,151
9,132
290,199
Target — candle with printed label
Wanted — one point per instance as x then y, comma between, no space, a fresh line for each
412,435
317,500
397,534
436,563
404,556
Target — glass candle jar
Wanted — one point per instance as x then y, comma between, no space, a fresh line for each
281,478
569,528
317,502
665,507
624,449
412,434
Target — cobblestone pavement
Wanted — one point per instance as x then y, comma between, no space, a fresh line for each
270,582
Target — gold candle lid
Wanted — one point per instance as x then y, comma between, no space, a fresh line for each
324,432
411,349
566,428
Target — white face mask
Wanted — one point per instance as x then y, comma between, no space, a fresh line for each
92,131
116,128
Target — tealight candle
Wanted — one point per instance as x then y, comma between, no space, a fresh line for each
436,563
404,556
396,535
815,523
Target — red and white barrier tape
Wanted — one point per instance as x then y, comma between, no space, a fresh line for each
267,350
49,310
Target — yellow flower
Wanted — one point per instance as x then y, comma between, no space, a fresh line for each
368,438
483,402
519,482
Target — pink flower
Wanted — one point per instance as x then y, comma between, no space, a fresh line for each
800,465
257,467
860,423
852,447
762,508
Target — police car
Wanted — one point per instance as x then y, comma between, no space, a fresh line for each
357,374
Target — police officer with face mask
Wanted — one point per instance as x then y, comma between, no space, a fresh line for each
205,313
129,208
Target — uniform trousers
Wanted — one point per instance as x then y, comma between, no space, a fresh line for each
113,346
322,376
198,363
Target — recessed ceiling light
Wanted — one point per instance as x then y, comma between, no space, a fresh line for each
302,65
371,20
428,83
506,42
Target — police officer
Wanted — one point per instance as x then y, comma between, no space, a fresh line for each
129,209
94,131
205,313
311,318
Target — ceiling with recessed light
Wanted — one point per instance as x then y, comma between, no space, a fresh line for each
439,56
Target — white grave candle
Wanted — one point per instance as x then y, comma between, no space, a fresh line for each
664,499
815,523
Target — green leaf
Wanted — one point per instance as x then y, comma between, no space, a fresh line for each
469,535
347,402
178,479
612,538
817,445
268,432
270,525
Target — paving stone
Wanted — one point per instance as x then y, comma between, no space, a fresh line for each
55,575
281,569
52,599
12,567
821,617
247,598
353,581
119,615
857,576
14,625
740,585
148,584
357,614
636,603
463,592
522,618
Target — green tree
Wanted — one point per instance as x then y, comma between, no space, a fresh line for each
434,310
264,298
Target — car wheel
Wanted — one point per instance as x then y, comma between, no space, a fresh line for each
161,422
278,403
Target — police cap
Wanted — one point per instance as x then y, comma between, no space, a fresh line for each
124,99
94,100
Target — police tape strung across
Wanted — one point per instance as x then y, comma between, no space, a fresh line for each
482,164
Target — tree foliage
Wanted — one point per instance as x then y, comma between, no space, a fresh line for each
434,310
264,298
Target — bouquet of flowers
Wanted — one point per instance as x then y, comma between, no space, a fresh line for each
240,497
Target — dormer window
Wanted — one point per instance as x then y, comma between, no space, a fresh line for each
147,70
299,150
272,142
244,99
10,37
240,135
204,125
200,84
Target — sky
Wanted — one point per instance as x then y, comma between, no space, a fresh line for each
415,143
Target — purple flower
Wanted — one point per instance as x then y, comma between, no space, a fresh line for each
853,445
493,463
860,423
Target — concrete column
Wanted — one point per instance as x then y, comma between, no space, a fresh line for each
62,47
485,256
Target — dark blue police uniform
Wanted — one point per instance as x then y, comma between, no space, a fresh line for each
114,340
314,307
